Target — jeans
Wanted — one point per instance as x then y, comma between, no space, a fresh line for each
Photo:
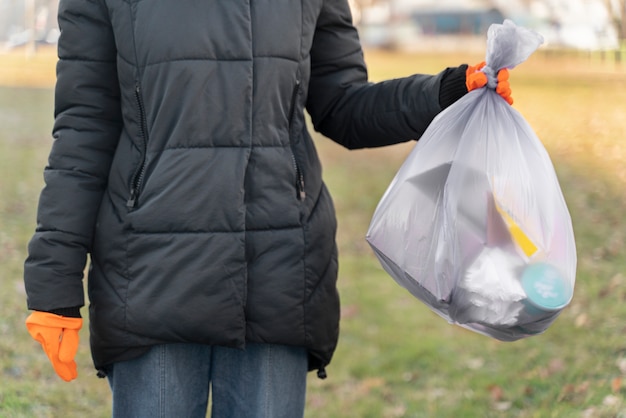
173,380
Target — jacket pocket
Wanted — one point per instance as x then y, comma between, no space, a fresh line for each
299,182
140,172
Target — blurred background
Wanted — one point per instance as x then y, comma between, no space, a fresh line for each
395,357
403,24
406,24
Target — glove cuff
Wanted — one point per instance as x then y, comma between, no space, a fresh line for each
452,86
47,319
73,312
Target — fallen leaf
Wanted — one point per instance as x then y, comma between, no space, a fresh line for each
349,311
475,363
570,390
611,400
581,320
583,387
614,283
616,384
368,384
503,406
589,412
556,365
496,393
567,390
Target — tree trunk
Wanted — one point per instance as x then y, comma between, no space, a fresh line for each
622,22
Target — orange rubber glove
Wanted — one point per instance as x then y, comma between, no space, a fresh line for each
475,79
58,335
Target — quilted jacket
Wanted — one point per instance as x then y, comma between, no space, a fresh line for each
183,169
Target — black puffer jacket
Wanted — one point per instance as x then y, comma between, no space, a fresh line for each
182,165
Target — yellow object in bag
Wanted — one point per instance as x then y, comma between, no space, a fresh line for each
523,242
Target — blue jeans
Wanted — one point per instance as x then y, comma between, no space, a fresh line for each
173,380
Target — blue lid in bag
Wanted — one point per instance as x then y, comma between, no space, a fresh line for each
545,287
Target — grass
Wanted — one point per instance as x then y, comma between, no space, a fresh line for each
395,358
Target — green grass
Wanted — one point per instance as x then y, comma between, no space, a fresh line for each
395,357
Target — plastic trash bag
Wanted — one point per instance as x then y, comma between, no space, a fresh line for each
474,223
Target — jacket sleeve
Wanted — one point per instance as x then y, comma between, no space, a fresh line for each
347,108
86,131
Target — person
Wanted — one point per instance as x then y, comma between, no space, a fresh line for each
182,166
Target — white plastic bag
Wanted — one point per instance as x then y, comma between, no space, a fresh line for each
474,224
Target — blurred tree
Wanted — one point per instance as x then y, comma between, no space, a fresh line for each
617,11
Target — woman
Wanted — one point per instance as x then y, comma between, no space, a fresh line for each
183,167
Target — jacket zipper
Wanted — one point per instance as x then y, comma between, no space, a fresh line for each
140,172
301,193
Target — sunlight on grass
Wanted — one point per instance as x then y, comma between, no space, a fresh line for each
20,67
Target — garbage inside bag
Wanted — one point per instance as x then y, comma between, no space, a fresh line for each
474,223
490,292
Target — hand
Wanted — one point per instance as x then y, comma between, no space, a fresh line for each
58,335
476,79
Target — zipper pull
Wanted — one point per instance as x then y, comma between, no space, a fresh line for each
301,192
132,200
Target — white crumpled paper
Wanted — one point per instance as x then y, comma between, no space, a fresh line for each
490,292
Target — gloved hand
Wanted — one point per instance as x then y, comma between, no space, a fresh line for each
475,79
58,335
